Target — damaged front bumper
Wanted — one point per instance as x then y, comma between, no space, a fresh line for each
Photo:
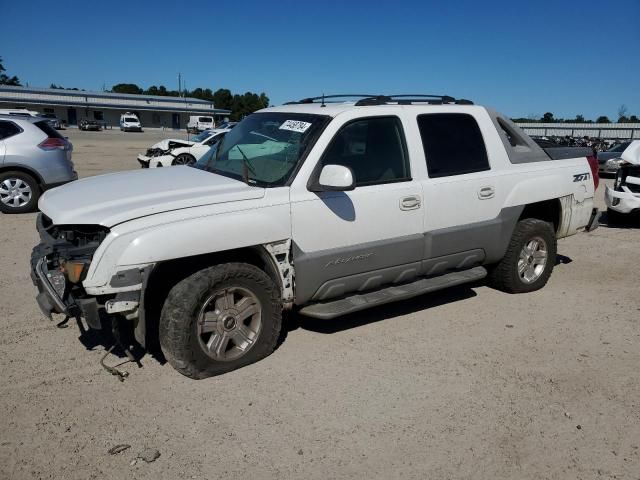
623,201
56,295
146,161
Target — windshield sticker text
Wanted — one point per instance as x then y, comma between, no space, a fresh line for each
295,126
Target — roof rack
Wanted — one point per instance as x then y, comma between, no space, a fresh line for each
404,99
323,98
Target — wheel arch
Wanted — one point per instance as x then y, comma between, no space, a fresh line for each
166,274
547,210
21,168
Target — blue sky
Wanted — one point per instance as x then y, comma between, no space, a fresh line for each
521,57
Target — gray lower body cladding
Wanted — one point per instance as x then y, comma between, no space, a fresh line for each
336,272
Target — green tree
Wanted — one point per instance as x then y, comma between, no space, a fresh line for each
222,98
127,88
548,117
603,119
5,79
634,119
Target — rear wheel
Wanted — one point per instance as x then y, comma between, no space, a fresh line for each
184,159
529,260
220,319
19,192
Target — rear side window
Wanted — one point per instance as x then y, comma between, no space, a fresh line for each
8,129
48,129
205,120
453,144
374,149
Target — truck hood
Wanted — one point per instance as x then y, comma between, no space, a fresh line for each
175,142
118,197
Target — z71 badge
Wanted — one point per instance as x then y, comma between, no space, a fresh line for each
581,177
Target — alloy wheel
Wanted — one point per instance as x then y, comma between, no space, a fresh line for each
229,323
532,260
15,192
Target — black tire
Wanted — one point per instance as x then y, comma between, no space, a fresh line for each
180,340
184,159
505,275
12,177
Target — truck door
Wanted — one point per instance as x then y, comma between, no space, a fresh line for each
463,222
360,239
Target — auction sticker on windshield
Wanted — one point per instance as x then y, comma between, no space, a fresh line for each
295,126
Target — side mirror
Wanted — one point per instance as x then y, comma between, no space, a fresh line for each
631,154
334,178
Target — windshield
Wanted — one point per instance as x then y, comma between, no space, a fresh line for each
621,147
222,125
131,120
201,136
205,119
265,148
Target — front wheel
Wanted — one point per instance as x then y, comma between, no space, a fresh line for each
529,260
220,319
184,159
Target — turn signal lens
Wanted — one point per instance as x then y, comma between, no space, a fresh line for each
73,270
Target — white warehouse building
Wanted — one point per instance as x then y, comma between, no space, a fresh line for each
72,106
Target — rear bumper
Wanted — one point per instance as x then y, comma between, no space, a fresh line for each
49,186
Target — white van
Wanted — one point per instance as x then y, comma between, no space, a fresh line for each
129,122
198,123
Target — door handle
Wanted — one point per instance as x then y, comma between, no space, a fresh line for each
410,203
486,192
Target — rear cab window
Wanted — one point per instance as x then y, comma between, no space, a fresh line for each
453,144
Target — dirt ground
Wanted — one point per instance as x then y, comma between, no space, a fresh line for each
466,383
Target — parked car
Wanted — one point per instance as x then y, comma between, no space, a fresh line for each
87,125
198,123
326,208
54,121
609,160
20,112
33,158
624,198
177,152
129,122
224,127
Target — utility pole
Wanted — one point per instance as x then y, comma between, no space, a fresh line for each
179,85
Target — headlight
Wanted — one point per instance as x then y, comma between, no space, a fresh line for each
614,163
57,281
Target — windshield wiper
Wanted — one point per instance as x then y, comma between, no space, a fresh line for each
246,166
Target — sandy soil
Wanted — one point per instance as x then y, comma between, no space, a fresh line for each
466,383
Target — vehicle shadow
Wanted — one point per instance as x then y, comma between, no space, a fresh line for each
376,314
562,260
91,339
622,221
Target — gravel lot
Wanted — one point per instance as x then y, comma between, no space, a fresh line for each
465,383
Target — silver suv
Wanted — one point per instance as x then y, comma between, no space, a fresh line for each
34,157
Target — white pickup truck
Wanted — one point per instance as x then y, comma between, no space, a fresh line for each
325,208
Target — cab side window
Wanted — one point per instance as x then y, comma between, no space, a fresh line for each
374,148
453,144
